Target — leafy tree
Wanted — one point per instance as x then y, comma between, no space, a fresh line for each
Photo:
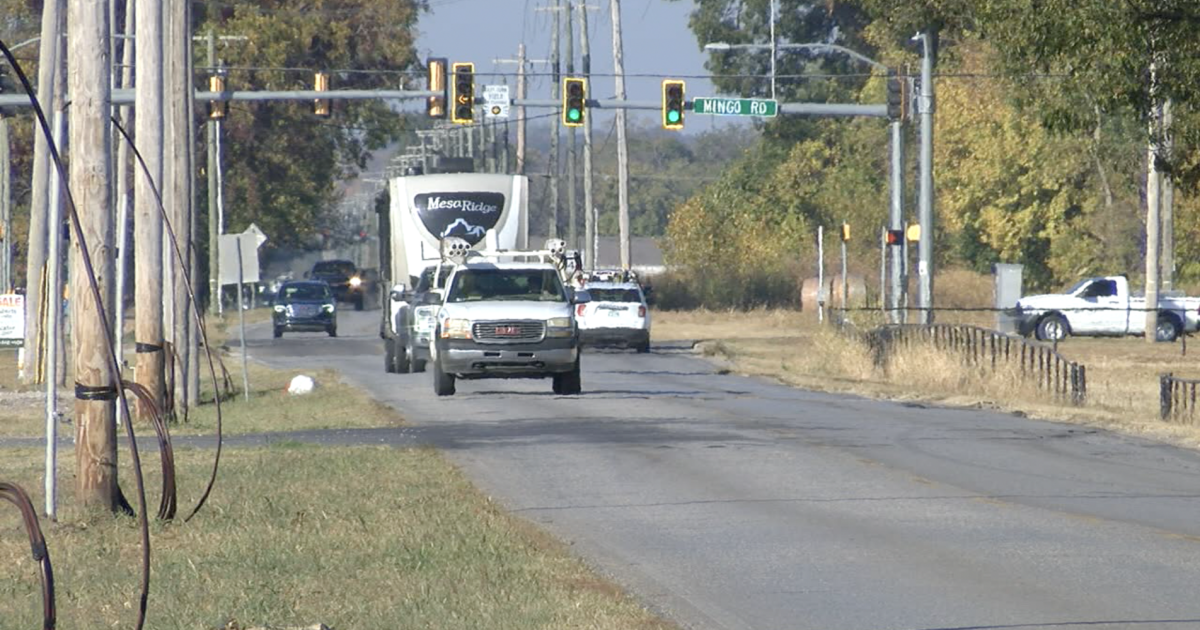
282,163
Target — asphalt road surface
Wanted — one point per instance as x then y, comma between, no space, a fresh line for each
730,502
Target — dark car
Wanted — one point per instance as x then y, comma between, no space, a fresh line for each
344,278
305,306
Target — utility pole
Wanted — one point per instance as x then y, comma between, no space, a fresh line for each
191,381
178,179
925,244
1167,201
123,78
896,218
1153,208
49,67
522,94
148,288
6,283
622,145
572,202
555,126
91,179
214,234
589,211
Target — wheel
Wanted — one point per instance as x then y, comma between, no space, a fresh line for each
332,330
644,347
401,362
278,332
414,364
1052,328
389,355
1167,328
443,383
568,383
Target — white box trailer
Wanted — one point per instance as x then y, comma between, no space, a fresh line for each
488,211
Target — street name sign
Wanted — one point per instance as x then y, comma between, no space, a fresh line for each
765,108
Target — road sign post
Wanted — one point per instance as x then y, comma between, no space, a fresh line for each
763,108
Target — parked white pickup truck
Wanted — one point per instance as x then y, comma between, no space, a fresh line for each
1103,307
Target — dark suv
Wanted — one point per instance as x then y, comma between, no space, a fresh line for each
344,278
304,306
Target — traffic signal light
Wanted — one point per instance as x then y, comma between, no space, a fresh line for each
845,231
574,101
435,107
895,96
321,106
217,110
895,237
672,104
463,94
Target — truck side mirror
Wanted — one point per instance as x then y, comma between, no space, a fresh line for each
581,296
431,298
398,293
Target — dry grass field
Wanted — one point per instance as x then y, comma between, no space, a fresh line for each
790,346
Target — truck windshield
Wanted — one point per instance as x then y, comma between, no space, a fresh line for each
537,285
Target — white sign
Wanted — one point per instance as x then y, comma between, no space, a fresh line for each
228,247
496,101
260,237
12,320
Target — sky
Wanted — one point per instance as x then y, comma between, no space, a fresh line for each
656,38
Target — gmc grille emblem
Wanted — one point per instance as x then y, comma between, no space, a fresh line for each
507,331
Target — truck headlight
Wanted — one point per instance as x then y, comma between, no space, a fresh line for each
328,308
355,281
279,308
456,328
558,327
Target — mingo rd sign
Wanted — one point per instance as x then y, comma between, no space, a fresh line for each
766,108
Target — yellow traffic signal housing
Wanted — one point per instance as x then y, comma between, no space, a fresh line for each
435,107
913,232
321,106
462,93
217,109
845,231
672,104
574,110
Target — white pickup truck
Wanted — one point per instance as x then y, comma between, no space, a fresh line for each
1103,307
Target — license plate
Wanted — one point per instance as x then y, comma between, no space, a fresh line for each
615,313
507,331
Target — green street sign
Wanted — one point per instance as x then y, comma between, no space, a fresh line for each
766,108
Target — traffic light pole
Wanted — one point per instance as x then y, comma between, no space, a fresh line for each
896,221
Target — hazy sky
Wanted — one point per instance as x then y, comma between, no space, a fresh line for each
657,42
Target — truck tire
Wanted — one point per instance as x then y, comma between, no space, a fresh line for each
1052,327
400,362
389,356
415,365
568,383
358,302
278,332
443,383
332,330
1168,328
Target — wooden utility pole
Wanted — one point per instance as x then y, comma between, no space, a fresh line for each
49,66
177,86
1153,208
123,77
1167,201
522,86
147,221
622,145
555,125
589,217
572,223
91,181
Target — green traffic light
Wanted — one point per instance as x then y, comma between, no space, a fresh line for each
672,116
574,114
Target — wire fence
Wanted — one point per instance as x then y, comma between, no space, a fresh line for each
982,347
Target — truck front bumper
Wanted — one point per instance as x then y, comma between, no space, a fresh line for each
470,359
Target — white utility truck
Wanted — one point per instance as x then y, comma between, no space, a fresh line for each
508,314
486,211
1103,306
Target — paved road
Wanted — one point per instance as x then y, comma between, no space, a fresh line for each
728,502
